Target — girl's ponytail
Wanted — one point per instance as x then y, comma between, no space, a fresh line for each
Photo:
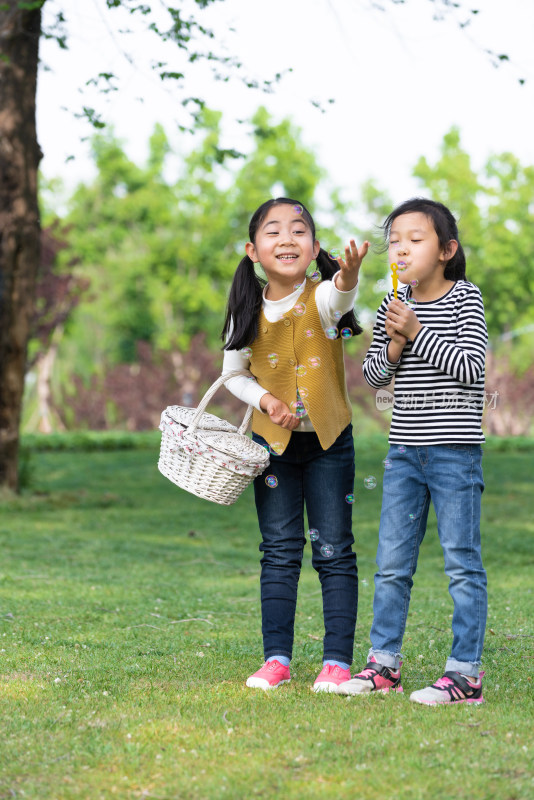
328,268
244,304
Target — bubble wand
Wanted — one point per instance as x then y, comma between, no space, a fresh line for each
395,279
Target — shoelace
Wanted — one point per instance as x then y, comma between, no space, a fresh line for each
329,669
336,670
442,683
368,672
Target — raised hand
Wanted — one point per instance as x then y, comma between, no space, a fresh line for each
350,267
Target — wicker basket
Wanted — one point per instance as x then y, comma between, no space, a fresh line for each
208,456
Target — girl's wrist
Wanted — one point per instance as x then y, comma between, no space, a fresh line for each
394,351
415,331
341,285
264,400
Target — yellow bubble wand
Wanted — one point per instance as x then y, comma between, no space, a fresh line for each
394,278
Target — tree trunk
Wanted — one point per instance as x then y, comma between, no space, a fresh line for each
44,367
19,217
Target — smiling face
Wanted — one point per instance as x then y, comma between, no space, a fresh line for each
415,247
284,246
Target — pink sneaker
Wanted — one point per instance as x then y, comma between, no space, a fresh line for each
271,675
330,677
373,678
451,688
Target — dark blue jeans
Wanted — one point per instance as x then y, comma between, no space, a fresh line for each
321,479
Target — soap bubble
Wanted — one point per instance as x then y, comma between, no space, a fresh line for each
370,482
331,333
411,516
247,352
327,550
402,267
414,283
277,448
315,277
401,448
387,463
383,371
349,498
299,309
298,409
314,362
303,393
297,286
271,481
381,285
411,302
273,359
298,209
313,533
346,333
334,253
309,333
301,370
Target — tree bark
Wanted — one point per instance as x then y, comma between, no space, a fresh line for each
19,217
44,367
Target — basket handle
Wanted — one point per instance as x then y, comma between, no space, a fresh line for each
222,379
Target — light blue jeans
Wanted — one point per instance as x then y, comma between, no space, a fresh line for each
451,477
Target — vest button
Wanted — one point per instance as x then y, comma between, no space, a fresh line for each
272,364
265,329
292,362
287,322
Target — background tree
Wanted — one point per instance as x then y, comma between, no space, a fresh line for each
19,216
20,31
58,292
160,255
496,219
496,222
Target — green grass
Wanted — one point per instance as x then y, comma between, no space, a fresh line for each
129,621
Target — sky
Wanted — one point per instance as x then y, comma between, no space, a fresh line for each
399,81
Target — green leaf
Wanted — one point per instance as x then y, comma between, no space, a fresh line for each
173,75
30,5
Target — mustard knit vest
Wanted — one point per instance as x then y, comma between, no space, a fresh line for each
292,353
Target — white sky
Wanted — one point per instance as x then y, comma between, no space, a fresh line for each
399,80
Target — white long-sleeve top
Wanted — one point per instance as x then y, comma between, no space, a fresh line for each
329,300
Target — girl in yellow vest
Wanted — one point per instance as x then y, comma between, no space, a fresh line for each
288,331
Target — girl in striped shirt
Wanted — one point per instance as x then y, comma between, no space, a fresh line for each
432,339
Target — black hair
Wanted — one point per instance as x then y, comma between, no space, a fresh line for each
444,225
246,291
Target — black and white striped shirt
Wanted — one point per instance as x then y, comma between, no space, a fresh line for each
439,380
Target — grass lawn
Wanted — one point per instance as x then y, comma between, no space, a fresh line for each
129,621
